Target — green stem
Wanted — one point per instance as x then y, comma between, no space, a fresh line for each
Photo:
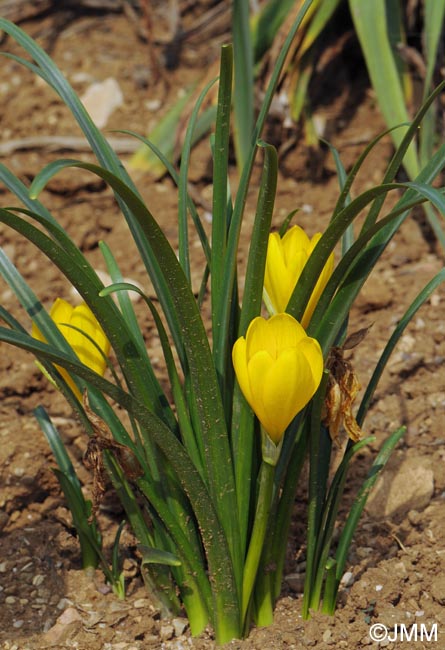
268,583
265,493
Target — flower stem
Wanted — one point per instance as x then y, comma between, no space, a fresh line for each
265,493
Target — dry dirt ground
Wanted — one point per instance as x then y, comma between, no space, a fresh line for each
397,560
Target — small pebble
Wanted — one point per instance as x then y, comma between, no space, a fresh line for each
153,105
47,625
38,580
18,623
166,632
140,603
347,579
327,635
179,624
63,603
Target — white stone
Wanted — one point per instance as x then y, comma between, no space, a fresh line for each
101,100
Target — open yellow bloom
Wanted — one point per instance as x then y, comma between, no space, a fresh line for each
286,258
278,368
81,317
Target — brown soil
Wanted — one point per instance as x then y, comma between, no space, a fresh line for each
397,560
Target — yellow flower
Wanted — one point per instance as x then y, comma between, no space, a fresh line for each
278,368
82,318
286,258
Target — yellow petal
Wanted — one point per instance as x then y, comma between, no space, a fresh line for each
278,368
285,332
70,382
61,311
258,337
318,290
83,318
294,240
313,242
258,367
37,334
276,276
311,349
296,252
273,335
288,387
239,358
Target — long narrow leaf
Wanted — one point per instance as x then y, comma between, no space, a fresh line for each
243,88
195,342
181,408
242,428
223,341
183,239
225,597
365,261
72,264
360,501
326,245
220,175
382,68
400,152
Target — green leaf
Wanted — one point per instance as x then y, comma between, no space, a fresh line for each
319,458
242,429
326,245
244,86
71,262
175,177
220,175
361,499
400,152
335,314
224,588
194,338
186,428
89,537
330,511
382,68
434,13
152,555
266,23
183,240
223,341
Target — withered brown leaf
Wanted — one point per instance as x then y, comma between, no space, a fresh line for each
342,390
93,458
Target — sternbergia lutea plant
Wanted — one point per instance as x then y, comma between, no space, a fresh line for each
207,473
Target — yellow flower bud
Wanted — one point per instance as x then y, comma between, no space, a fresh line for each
278,368
81,317
286,258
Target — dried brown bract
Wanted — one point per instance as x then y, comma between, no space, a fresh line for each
93,458
342,390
